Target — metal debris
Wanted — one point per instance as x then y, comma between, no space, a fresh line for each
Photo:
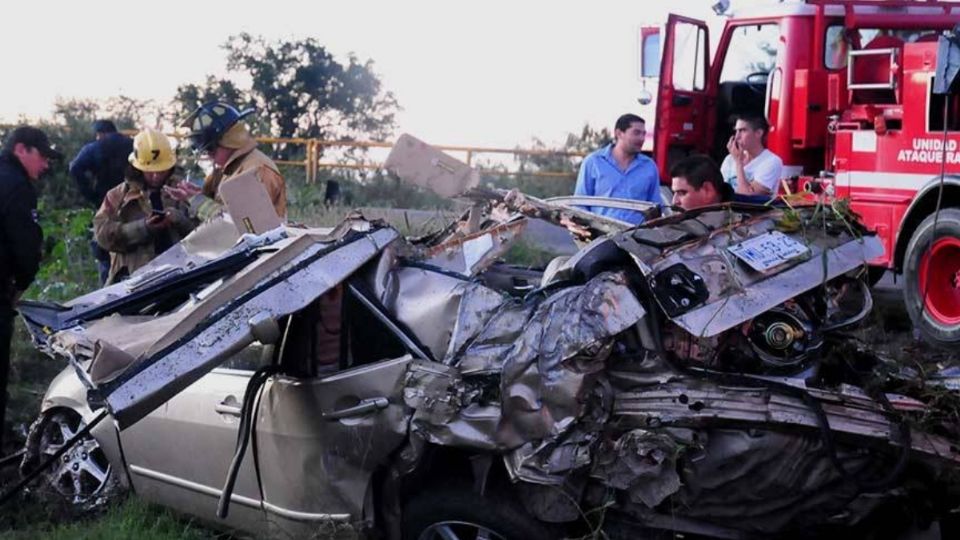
674,364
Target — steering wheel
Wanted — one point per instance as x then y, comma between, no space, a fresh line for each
757,81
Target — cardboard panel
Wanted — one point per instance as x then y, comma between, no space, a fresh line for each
418,163
249,204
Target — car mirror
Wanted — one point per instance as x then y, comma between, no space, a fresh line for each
264,328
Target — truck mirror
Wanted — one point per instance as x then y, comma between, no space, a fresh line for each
945,79
649,52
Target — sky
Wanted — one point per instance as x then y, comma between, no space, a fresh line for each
494,73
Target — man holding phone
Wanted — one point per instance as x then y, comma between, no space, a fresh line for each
217,131
750,168
138,221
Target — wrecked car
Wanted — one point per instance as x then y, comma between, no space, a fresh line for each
681,375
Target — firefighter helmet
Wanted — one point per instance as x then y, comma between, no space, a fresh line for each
152,151
210,121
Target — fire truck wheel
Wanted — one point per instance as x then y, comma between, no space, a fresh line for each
931,288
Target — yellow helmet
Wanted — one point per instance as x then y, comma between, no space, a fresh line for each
152,152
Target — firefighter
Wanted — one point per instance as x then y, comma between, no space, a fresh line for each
697,182
619,170
750,168
25,157
217,131
137,220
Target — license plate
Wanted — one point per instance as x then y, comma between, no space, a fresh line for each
768,250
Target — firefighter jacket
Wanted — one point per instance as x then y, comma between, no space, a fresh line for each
120,226
21,239
209,204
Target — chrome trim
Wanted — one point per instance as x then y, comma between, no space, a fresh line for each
366,406
238,499
605,202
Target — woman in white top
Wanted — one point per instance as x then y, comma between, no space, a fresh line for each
750,168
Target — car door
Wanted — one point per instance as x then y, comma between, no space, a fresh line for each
322,436
179,454
682,99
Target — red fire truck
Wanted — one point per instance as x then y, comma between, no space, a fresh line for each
847,87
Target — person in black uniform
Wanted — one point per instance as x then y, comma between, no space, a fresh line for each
25,156
96,169
100,164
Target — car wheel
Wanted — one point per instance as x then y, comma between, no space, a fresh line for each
82,477
931,290
464,515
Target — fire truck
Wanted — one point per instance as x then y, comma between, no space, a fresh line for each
848,88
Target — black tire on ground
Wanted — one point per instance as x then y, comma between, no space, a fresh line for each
934,312
459,513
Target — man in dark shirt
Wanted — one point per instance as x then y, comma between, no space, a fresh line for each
96,169
100,164
25,156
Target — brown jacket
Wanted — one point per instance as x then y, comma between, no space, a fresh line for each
120,226
209,203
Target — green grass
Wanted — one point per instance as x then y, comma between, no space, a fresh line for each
132,519
525,253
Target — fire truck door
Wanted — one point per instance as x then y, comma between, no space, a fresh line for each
682,98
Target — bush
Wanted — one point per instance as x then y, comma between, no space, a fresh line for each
68,268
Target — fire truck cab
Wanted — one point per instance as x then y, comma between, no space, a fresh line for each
847,87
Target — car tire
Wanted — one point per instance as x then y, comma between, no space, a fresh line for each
83,478
464,515
931,289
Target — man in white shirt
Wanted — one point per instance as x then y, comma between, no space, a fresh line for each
750,168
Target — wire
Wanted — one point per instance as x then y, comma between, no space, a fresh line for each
243,435
254,441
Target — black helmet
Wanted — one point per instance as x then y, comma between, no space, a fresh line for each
210,121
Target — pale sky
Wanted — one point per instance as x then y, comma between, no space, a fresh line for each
492,73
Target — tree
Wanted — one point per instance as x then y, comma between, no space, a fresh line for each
587,141
70,127
551,160
300,89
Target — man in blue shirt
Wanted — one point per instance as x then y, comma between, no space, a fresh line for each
620,171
